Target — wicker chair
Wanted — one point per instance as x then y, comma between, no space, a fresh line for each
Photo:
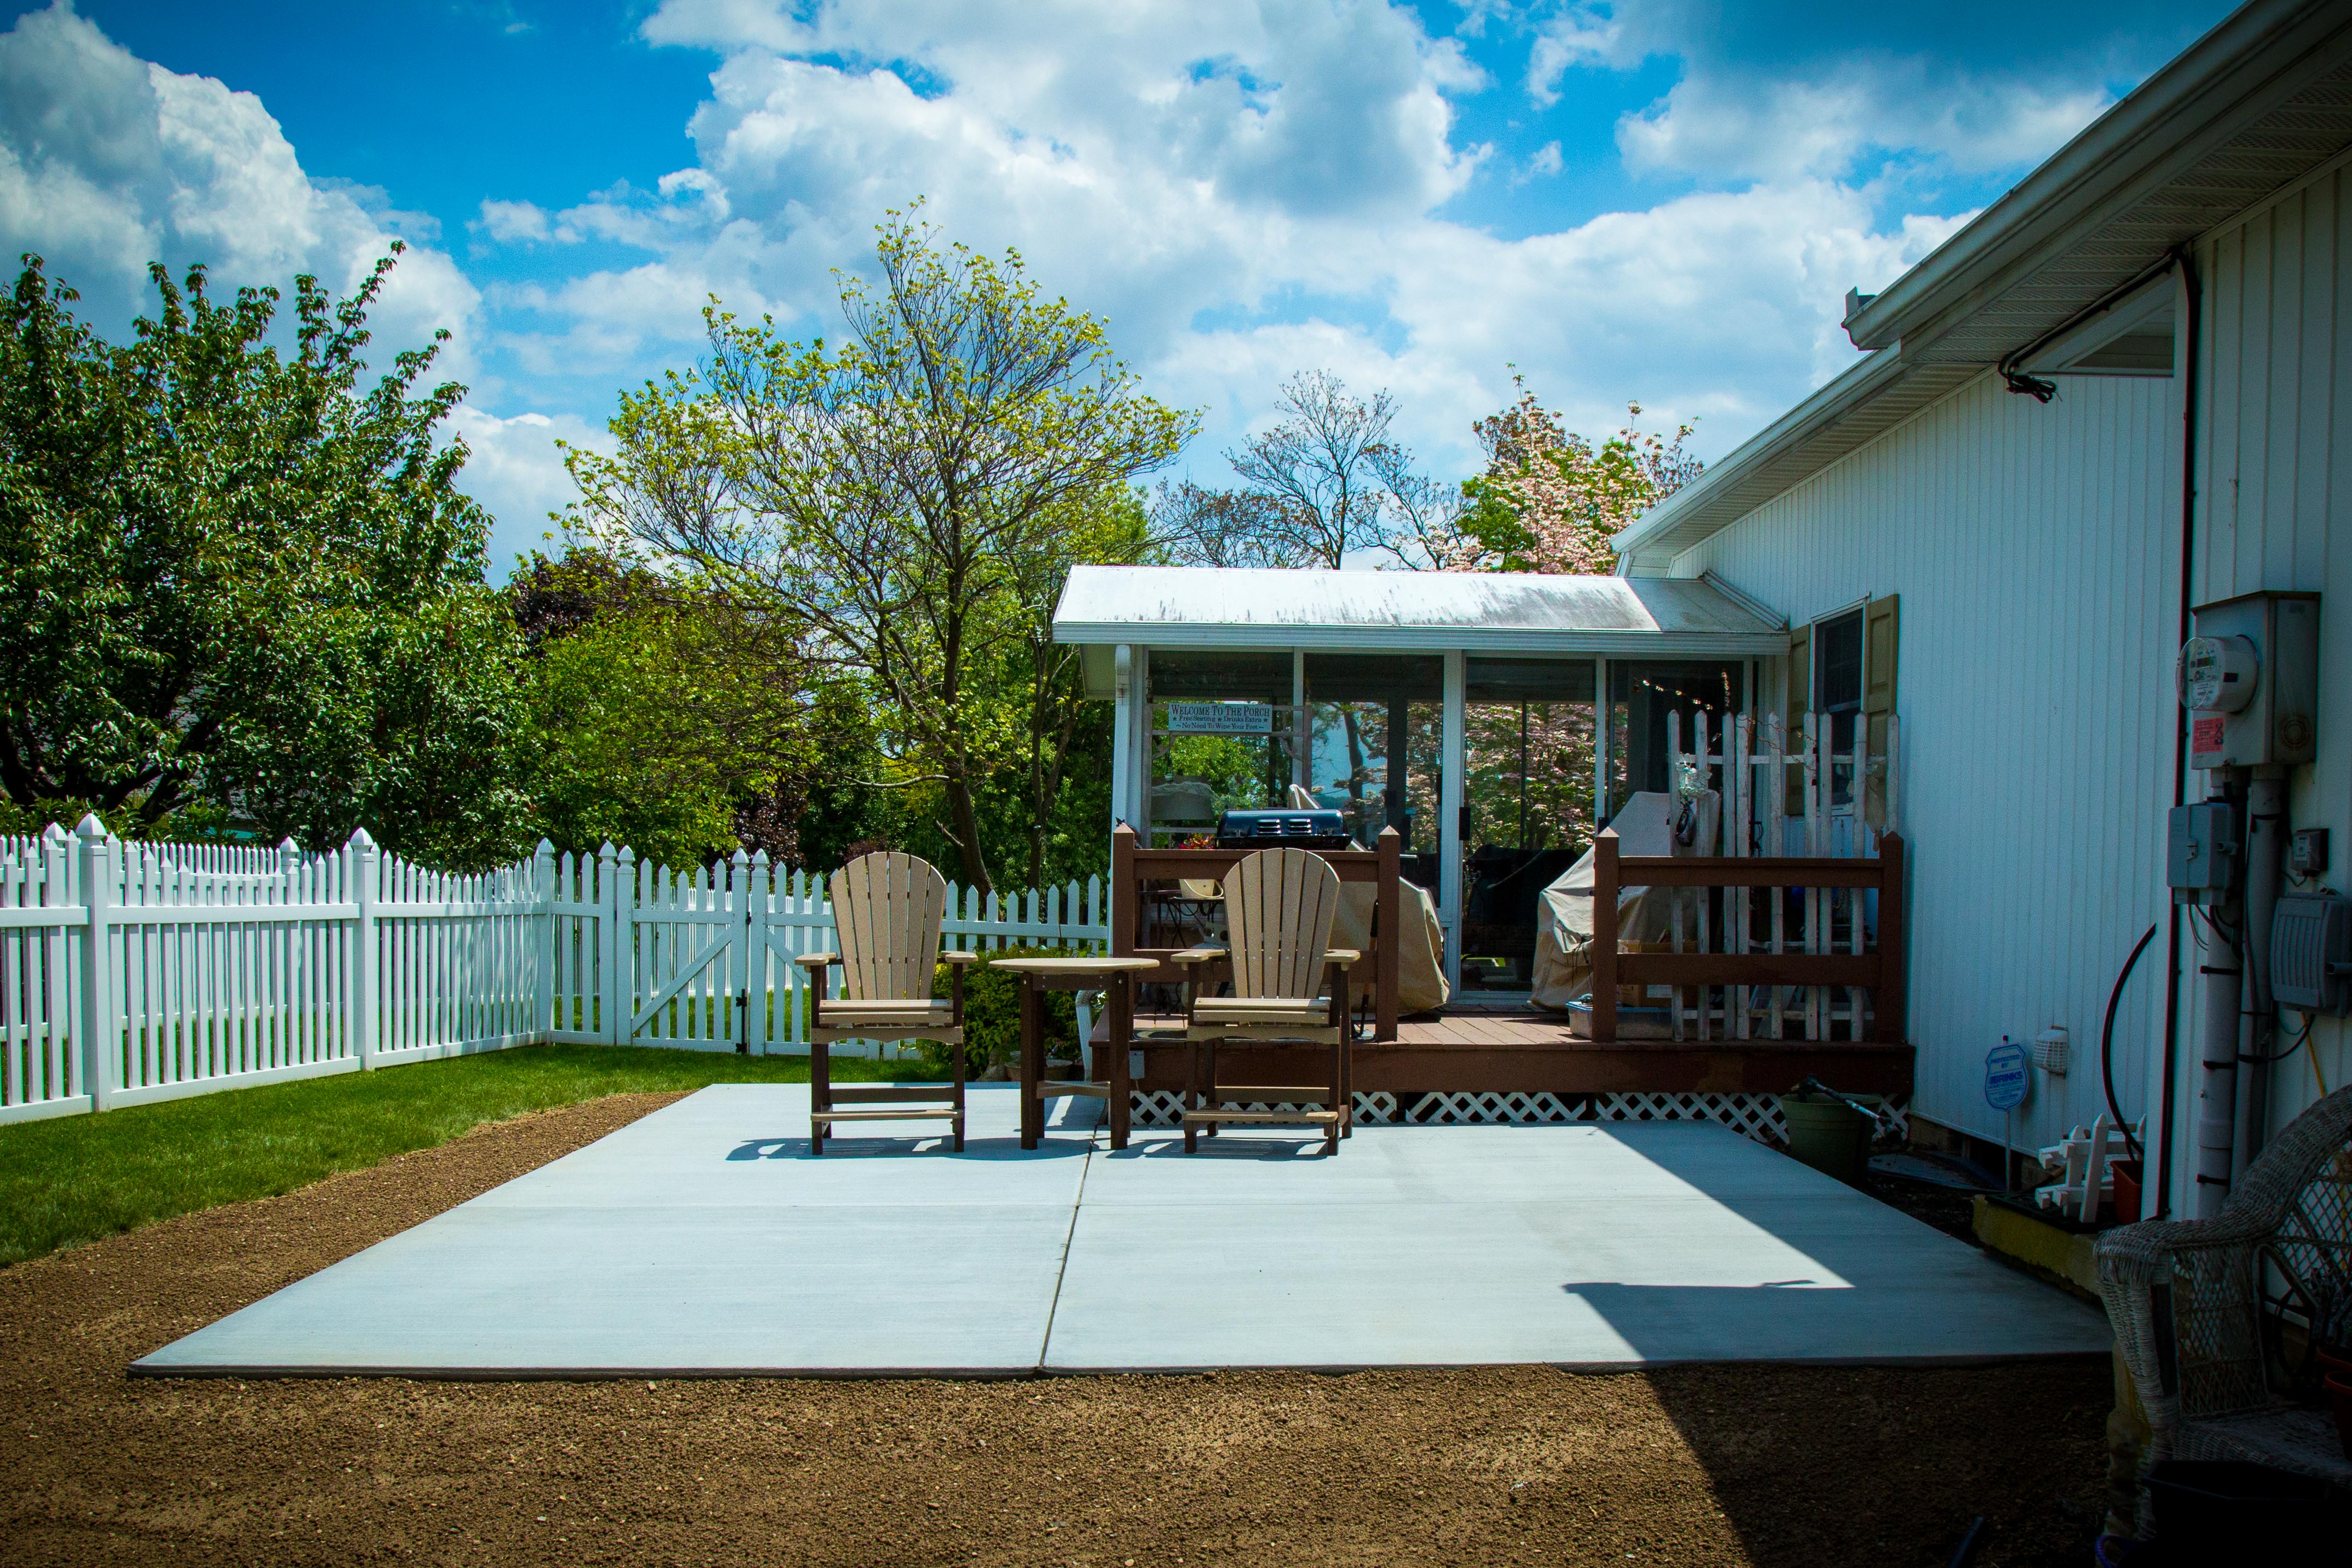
2186,1300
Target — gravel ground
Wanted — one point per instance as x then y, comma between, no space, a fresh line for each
1512,1465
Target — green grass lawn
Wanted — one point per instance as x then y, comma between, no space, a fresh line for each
77,1178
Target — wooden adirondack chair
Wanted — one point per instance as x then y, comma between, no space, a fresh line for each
1280,905
887,910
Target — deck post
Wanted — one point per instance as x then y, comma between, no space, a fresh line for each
1123,761
1453,750
1391,943
1125,893
1604,937
1892,1005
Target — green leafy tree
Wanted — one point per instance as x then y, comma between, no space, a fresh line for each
241,587
670,715
1044,679
901,494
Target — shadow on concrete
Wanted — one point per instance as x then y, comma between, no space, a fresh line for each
1266,1146
868,1145
1838,1263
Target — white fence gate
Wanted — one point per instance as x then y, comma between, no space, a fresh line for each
132,972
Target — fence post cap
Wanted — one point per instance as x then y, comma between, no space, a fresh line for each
607,853
758,857
627,853
545,848
287,845
54,834
89,827
739,857
359,840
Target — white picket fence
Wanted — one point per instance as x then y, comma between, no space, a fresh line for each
133,972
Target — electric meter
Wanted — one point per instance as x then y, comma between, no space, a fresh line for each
2217,674
2250,680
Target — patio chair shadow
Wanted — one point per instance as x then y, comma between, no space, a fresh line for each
1167,1143
1003,1150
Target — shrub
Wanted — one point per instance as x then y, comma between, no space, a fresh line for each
991,1012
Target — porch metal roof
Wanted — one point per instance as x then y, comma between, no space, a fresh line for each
1215,607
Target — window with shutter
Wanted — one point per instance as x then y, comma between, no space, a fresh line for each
1800,693
1882,641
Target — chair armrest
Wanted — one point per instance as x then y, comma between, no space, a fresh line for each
1343,956
817,960
1191,956
958,958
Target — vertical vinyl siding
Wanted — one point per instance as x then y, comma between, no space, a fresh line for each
2274,464
2035,549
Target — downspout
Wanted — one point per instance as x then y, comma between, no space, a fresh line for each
2192,312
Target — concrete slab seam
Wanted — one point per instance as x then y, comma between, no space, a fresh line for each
1062,1268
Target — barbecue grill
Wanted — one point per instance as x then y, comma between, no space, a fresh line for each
1317,829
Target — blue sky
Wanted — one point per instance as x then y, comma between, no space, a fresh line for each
1656,199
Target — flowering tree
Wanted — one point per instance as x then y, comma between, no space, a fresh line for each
1551,500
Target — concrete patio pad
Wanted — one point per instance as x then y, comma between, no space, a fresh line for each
700,1239
703,1239
1592,1245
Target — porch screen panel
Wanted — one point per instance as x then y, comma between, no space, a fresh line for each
1640,695
1376,748
1221,737
1528,789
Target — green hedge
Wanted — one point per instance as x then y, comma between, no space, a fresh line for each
991,1012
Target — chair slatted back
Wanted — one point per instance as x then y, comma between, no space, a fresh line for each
887,909
1279,905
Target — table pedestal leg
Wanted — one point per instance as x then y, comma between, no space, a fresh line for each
1120,1044
1032,1110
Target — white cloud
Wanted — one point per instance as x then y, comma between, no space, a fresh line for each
1746,128
108,164
1782,92
514,469
1204,182
512,223
1245,190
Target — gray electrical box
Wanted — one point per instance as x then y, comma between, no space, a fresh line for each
2250,679
2311,953
2201,861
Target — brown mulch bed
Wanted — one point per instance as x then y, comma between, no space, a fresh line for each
1716,1465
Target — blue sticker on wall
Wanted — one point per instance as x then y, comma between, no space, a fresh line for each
2008,1076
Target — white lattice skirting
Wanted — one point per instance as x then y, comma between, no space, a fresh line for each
1757,1115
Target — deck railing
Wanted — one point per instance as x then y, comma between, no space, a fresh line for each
1134,868
1741,969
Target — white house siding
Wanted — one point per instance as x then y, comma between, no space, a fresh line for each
2036,550
2274,482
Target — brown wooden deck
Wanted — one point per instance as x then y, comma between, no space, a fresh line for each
1519,1049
